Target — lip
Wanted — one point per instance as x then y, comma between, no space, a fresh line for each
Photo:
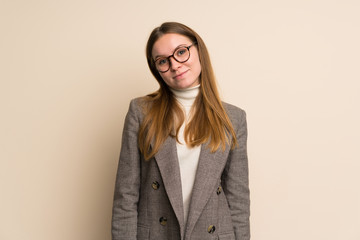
181,75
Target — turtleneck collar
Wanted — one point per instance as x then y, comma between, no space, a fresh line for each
186,96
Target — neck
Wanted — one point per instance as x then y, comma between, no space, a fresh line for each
186,96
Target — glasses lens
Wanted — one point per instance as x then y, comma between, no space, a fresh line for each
162,64
182,54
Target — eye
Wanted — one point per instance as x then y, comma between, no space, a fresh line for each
181,51
162,61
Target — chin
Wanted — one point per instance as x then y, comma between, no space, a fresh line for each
184,86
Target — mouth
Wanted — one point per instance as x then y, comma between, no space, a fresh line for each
181,75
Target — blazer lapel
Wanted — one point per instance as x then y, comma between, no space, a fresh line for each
168,164
208,172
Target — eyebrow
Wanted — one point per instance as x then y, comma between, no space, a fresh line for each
181,45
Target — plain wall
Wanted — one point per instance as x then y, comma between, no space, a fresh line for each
68,70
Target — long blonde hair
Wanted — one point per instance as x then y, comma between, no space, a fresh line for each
209,120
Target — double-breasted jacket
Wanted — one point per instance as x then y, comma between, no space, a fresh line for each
148,198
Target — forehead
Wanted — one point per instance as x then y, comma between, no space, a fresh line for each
166,44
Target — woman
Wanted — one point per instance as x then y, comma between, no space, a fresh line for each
183,170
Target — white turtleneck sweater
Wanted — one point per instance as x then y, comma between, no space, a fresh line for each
188,157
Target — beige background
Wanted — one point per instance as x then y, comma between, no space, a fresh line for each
70,68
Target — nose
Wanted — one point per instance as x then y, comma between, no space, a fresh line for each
174,65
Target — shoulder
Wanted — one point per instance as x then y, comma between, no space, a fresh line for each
236,115
135,113
233,111
137,105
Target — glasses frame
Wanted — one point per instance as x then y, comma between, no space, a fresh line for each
172,55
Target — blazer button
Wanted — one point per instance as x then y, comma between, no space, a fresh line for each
155,185
211,229
163,221
219,190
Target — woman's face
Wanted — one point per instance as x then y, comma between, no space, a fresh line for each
179,75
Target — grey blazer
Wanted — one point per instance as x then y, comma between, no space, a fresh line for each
148,198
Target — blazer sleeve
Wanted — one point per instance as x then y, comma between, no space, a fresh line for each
235,179
127,185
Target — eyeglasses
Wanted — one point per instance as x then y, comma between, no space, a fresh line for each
181,55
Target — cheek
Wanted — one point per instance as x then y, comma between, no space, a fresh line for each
197,65
196,62
165,76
